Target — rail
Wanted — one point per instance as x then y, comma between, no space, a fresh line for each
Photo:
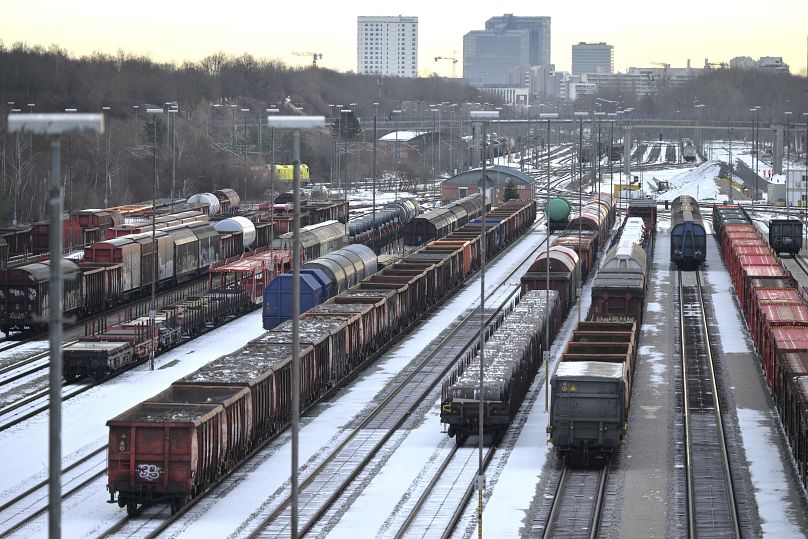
578,501
711,504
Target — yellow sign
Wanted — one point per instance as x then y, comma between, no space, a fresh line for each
625,187
572,388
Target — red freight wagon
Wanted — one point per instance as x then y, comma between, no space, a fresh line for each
585,248
744,262
165,451
124,251
564,276
781,340
773,316
759,298
756,272
799,413
788,367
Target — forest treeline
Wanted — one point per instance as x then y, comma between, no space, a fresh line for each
205,142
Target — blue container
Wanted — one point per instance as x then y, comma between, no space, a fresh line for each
490,222
322,278
278,298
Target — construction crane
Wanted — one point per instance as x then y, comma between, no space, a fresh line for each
313,55
453,59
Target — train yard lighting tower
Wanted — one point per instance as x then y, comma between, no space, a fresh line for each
153,304
344,124
245,111
296,124
52,126
172,116
271,111
373,176
396,153
805,184
755,149
548,116
106,159
788,162
69,179
483,117
580,116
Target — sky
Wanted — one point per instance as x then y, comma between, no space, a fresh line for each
667,32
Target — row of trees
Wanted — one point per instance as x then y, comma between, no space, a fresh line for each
203,145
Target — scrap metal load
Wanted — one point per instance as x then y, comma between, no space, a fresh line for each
337,339
512,357
591,385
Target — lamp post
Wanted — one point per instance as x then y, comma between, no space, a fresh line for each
295,123
729,133
482,117
396,153
52,126
69,179
153,304
344,117
106,159
788,162
434,112
755,150
271,111
137,122
580,116
612,117
245,111
373,176
172,111
546,354
699,141
678,138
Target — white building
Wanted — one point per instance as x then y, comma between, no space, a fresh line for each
797,187
387,46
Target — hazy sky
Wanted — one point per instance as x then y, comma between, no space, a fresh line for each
641,32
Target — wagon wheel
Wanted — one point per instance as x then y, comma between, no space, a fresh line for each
131,508
176,504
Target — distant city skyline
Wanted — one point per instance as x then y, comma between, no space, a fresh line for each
718,30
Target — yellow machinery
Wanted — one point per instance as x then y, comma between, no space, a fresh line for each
286,172
736,185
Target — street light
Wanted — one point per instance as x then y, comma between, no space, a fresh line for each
755,150
788,161
345,156
52,126
698,132
106,159
580,116
153,307
297,124
245,111
434,131
172,111
548,116
396,153
482,117
271,110
373,176
69,179
137,122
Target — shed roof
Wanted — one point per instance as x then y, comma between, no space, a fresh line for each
496,174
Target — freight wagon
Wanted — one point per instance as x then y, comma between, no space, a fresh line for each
776,311
591,386
437,223
143,469
513,355
688,238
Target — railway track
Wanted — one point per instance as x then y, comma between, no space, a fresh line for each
327,482
575,510
36,403
32,503
439,508
711,503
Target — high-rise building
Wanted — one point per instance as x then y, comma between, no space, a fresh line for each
387,46
592,58
539,29
507,41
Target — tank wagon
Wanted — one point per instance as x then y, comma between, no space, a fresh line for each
688,237
785,236
315,240
337,338
437,223
513,354
386,225
320,279
558,210
591,386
